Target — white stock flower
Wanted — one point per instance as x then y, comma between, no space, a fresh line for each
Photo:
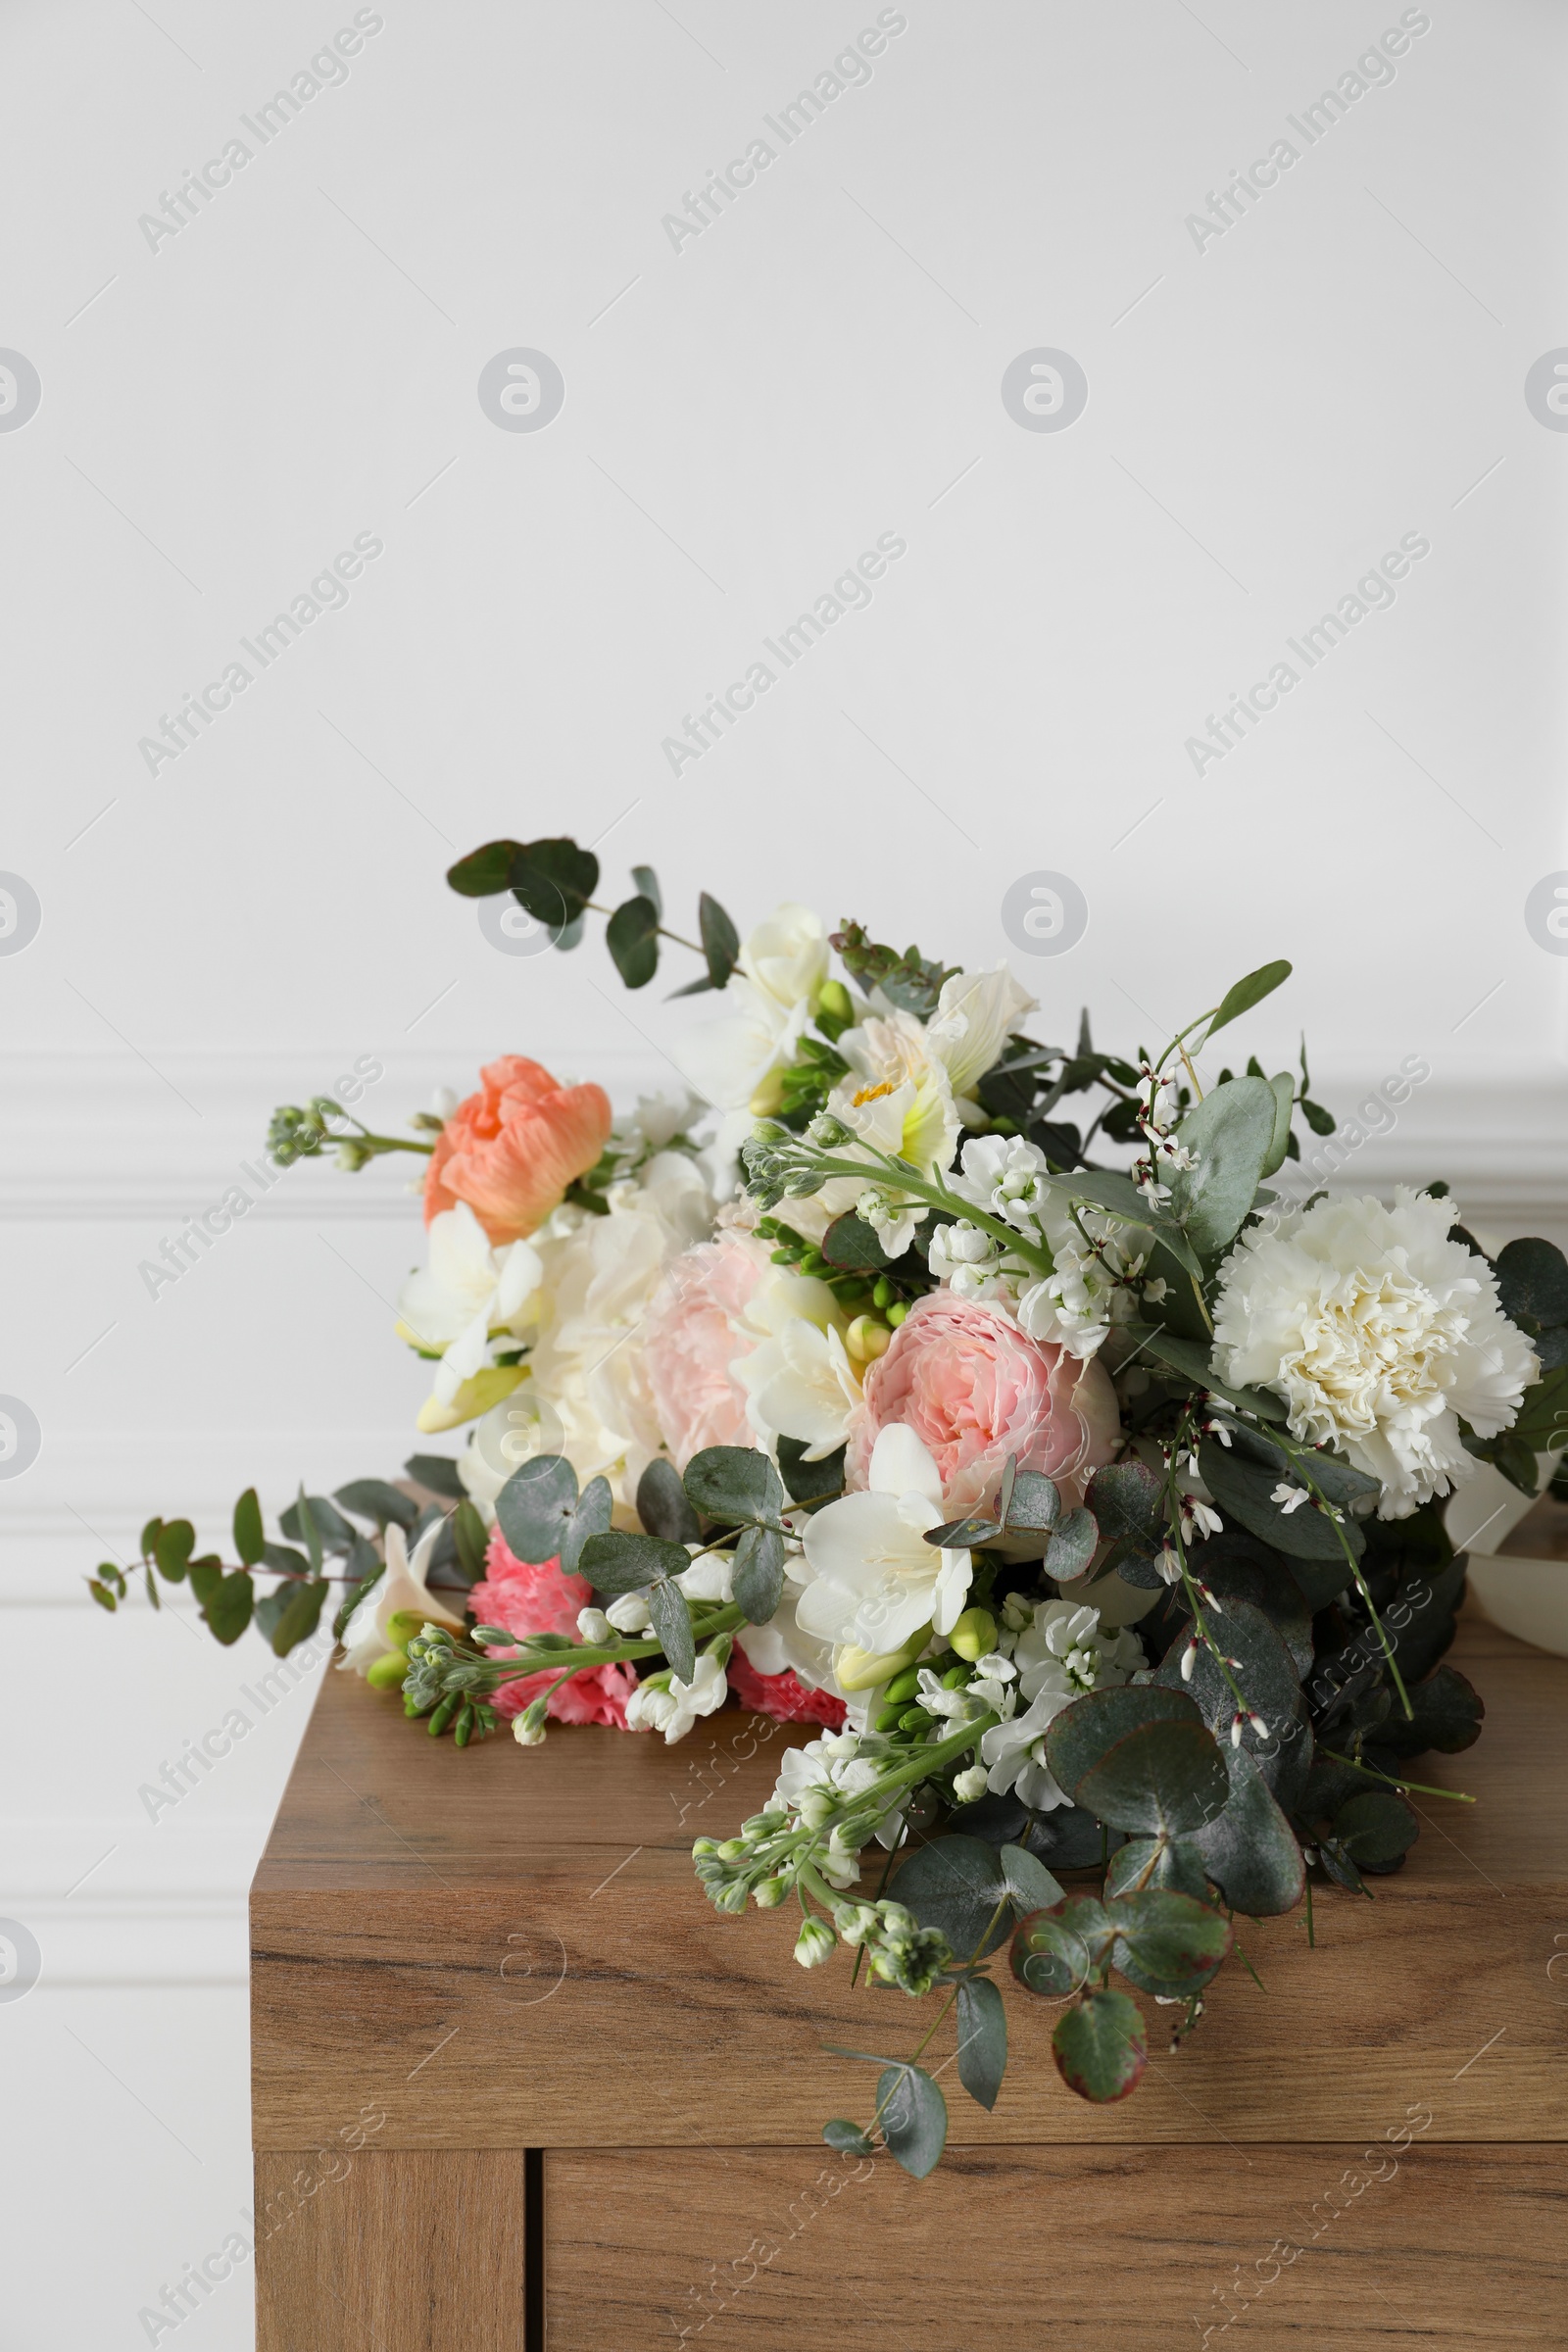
976,1014
1379,1333
967,1260
1061,1654
817,1777
364,1637
875,1580
1005,1176
673,1711
466,1291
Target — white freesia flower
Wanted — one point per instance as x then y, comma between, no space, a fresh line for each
672,1711
786,958
464,1292
875,1580
1061,1654
797,1378
976,1014
364,1637
735,1060
1379,1333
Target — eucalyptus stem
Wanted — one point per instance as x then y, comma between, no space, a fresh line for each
1420,1788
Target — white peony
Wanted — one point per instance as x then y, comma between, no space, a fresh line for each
1379,1333
875,1580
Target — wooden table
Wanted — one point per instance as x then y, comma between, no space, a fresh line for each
511,2074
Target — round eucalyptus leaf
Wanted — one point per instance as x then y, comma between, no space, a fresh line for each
1163,1780
535,1507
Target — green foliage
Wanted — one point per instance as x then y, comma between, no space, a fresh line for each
437,1473
1244,1490
632,937
1232,1134
913,2116
249,1539
1085,1733
759,1575
1250,1849
1245,995
734,1483
851,1242
982,2041
807,1480
910,980
1098,2046
536,1507
1161,1779
662,1504
226,1605
373,1499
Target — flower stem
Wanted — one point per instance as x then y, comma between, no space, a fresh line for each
1456,1796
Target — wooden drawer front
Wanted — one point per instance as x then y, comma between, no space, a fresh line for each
391,2250
1079,2250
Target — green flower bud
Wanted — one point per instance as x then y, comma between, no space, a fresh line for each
815,1943
388,1672
771,1894
974,1635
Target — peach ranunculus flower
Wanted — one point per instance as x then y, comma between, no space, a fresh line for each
510,1151
695,1340
975,1388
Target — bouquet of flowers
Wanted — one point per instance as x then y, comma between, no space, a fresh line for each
1074,1472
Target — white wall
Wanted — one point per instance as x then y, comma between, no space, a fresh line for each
1266,417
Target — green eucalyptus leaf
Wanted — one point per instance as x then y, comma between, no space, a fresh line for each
1448,1712
1098,2046
1265,1670
373,1499
721,942
592,1517
1158,1862
646,882
228,1605
1231,1133
1284,1104
913,2116
1168,1943
1377,1829
299,1616
982,2040
250,1538
536,1505
553,880
850,1242
1533,1280
172,1547
956,1884
1049,1956
1193,1360
733,1484
632,937
1250,1849
1089,1728
666,1606
437,1473
1162,1780
1074,1540
808,1481
1128,1501
1030,1884
333,1529
662,1504
847,2139
148,1538
472,1541
1245,994
484,872
758,1581
1244,1490
617,1563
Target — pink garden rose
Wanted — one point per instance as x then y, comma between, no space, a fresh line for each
542,1599
695,1338
510,1151
975,1388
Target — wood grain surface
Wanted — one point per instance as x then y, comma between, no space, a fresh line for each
401,2251
1059,2250
507,1949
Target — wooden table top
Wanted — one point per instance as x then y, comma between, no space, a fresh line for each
502,1947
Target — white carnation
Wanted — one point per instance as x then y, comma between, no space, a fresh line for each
1379,1333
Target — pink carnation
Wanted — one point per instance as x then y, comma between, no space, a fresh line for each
975,1388
784,1695
543,1600
695,1340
